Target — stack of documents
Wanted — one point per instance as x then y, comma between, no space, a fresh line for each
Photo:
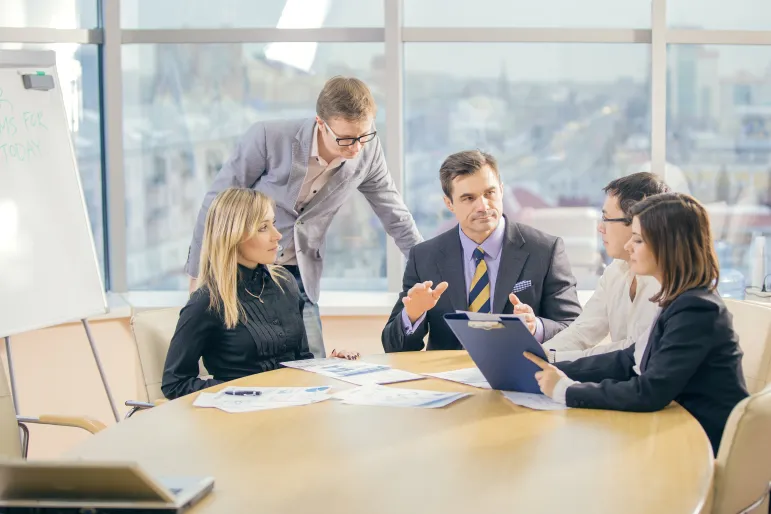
533,401
392,397
355,372
248,399
468,376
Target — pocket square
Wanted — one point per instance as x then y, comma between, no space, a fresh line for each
521,286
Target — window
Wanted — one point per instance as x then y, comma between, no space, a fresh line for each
719,15
561,119
78,69
55,14
521,13
304,14
723,151
186,106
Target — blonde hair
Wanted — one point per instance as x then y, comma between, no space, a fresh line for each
347,98
233,217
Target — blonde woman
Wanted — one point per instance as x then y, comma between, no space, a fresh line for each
245,317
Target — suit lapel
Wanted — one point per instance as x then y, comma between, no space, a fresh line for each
339,177
301,149
450,267
513,258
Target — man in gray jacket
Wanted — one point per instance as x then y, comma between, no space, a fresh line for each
310,167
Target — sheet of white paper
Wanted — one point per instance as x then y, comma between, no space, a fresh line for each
533,401
269,398
205,400
354,372
389,376
482,316
468,376
376,395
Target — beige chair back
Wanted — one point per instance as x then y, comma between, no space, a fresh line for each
10,439
752,322
152,331
743,466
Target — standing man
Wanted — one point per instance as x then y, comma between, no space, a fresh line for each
487,263
310,167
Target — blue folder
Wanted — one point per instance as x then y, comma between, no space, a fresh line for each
496,345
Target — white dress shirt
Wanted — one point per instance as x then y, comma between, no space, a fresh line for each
640,345
610,311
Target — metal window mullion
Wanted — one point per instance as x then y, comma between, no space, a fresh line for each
659,87
112,145
40,35
394,80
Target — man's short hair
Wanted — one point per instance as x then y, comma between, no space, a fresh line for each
634,188
462,164
347,98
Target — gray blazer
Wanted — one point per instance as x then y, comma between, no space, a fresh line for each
272,158
528,255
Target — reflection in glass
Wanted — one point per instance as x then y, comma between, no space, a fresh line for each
186,106
562,120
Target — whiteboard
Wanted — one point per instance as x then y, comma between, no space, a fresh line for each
49,271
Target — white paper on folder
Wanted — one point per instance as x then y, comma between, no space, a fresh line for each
393,397
469,376
533,401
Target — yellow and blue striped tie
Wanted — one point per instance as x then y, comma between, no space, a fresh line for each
479,294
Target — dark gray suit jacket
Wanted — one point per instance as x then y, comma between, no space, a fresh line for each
693,357
527,254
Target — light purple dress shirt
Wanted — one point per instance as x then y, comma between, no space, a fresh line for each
493,247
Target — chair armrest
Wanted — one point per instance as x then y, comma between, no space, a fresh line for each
88,424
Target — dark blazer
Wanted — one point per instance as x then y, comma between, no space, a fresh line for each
270,333
693,357
527,254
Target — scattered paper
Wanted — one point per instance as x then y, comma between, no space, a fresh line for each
376,395
468,376
354,372
533,401
237,399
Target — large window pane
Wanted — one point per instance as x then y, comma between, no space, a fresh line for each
719,15
297,14
56,14
522,13
561,119
719,139
78,68
185,106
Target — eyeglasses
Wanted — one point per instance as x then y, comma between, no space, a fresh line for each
350,141
625,221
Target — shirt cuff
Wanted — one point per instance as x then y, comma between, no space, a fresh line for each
567,355
409,328
538,330
561,389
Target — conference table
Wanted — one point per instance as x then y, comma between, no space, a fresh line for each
480,454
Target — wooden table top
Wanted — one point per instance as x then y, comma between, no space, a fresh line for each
481,454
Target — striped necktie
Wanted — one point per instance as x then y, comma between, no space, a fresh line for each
479,295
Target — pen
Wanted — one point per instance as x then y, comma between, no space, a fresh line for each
244,393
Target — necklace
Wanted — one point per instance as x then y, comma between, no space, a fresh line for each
261,291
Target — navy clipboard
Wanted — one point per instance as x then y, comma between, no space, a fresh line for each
496,346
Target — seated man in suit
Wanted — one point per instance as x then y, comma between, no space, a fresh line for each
488,263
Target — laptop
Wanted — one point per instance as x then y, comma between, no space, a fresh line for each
496,343
117,486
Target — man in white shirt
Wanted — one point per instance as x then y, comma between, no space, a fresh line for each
620,306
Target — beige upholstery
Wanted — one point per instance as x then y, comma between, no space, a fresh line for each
153,330
743,466
10,440
752,322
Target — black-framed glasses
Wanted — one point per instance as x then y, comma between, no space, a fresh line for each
350,141
625,221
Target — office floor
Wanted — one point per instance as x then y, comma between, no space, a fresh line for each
56,373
